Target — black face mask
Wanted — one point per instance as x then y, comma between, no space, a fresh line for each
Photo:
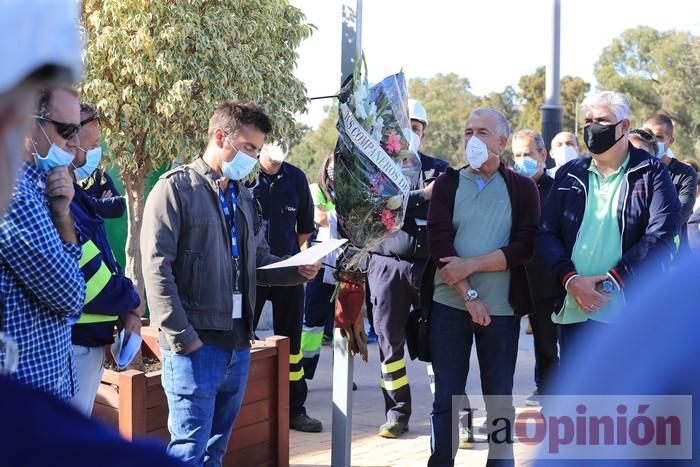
599,138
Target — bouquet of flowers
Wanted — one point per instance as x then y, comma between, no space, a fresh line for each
376,163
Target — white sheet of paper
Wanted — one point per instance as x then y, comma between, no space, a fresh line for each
124,353
310,255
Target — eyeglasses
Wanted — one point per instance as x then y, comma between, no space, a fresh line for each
95,116
65,130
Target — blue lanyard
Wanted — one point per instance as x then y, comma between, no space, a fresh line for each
230,218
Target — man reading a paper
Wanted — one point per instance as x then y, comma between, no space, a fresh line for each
201,245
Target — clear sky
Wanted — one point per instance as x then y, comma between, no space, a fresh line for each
490,42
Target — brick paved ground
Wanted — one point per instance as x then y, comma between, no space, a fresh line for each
413,449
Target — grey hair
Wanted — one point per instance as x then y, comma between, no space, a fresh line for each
502,125
527,133
617,102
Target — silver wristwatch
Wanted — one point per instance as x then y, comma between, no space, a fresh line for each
471,295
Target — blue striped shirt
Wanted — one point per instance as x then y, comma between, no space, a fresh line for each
42,290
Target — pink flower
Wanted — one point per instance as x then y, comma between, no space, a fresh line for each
387,218
393,144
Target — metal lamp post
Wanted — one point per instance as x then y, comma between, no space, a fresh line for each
552,113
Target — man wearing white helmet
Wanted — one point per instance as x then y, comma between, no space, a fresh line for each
394,280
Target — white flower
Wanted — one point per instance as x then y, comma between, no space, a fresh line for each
360,111
371,109
377,129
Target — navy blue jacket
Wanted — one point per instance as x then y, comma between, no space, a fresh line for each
411,242
543,284
98,183
113,297
648,215
287,208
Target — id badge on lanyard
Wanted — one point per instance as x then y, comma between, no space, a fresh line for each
236,296
237,309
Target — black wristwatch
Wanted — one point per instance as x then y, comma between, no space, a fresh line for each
471,295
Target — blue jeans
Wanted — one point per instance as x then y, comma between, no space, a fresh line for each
451,335
205,390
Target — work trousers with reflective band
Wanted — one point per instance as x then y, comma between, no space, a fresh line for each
318,307
394,286
287,310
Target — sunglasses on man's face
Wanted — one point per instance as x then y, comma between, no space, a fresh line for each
95,116
65,130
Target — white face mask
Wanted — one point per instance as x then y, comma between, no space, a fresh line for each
476,153
563,154
414,144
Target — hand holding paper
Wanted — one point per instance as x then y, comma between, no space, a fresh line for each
309,256
125,348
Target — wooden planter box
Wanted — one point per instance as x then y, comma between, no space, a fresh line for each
135,403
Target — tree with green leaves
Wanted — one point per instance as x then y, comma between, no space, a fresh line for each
447,100
658,72
156,69
316,144
531,98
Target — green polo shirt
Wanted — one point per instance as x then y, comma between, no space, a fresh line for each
482,222
598,247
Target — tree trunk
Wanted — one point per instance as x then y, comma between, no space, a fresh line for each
135,200
134,184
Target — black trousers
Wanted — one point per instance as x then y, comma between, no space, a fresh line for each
287,315
545,333
394,286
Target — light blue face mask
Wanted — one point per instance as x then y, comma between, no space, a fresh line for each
240,167
526,166
660,150
55,157
92,161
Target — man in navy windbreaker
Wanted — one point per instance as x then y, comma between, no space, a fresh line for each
608,217
110,295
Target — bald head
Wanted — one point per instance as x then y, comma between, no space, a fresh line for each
566,138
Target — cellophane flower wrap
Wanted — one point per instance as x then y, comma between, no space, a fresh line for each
376,163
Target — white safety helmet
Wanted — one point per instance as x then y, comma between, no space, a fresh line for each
417,112
36,35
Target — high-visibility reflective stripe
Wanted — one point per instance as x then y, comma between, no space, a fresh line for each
296,375
87,318
311,340
311,353
90,250
395,384
96,283
295,358
393,366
